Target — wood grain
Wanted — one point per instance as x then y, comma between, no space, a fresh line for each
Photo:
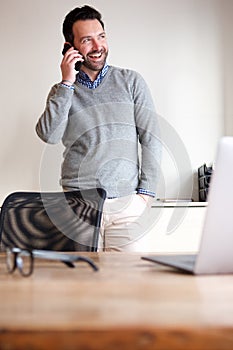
128,304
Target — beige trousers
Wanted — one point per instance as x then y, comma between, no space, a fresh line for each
124,223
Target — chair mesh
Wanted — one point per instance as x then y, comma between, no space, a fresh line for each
63,221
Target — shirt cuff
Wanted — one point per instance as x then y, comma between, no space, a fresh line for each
146,192
71,87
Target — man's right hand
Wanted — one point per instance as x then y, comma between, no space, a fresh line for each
68,65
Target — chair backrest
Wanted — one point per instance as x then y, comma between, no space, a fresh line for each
62,221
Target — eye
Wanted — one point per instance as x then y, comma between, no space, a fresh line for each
86,40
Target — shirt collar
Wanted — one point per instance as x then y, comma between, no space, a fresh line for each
84,79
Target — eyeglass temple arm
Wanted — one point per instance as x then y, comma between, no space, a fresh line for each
65,258
68,263
85,259
90,262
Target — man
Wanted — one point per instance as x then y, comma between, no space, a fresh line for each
100,113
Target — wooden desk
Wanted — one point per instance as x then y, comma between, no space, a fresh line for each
129,304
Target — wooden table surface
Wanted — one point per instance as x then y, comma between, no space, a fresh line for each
128,304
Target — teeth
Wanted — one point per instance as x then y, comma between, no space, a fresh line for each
96,56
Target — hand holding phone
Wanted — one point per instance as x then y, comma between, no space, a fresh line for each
66,47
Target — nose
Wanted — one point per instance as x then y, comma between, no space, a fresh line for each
95,45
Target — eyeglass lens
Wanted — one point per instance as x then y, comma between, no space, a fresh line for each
22,260
10,261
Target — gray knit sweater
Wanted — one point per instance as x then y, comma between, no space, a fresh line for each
100,130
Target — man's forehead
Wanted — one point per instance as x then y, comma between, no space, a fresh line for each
86,27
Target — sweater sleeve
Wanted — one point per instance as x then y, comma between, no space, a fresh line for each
52,123
148,133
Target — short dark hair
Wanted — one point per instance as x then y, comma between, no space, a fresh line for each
79,13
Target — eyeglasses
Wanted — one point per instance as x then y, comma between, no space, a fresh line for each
23,259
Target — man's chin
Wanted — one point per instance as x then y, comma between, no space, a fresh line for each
94,66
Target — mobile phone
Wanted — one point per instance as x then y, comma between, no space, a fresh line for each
66,47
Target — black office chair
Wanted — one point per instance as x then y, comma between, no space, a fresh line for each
61,221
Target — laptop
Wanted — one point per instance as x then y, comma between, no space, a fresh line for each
215,254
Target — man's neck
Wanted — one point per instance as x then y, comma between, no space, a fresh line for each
91,73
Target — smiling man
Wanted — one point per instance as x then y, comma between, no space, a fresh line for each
102,113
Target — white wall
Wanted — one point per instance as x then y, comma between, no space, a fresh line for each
227,27
179,46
